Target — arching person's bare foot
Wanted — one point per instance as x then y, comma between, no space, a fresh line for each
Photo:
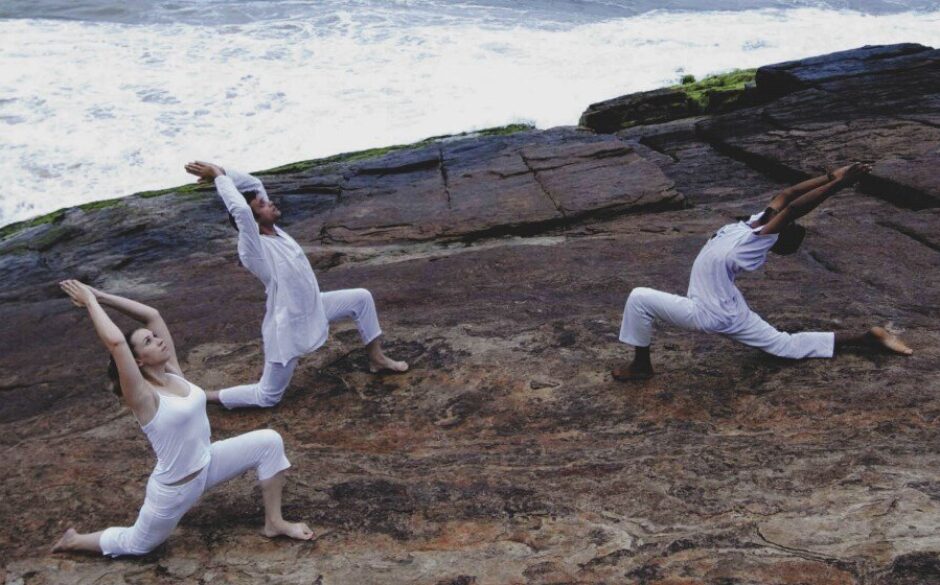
383,364
295,530
881,337
66,542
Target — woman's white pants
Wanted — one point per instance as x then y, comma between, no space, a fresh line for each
354,303
165,505
644,305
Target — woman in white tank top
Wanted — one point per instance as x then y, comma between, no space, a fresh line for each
172,413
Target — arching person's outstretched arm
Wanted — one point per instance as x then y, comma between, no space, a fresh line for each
133,385
786,196
812,199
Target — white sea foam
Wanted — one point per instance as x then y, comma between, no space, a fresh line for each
97,110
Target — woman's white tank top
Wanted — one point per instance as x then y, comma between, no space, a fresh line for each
179,433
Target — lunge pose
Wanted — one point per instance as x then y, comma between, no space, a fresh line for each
297,317
715,305
172,413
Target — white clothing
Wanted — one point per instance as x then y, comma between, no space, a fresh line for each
265,393
645,304
165,505
294,321
179,434
715,305
354,303
735,247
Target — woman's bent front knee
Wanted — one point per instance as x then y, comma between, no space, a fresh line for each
272,459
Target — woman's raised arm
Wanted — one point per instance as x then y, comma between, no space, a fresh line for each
149,316
133,386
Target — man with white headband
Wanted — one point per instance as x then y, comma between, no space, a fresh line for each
297,317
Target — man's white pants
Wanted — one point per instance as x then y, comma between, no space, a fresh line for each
165,505
645,304
354,303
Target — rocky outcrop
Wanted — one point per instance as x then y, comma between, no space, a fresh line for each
783,78
500,265
715,94
881,107
648,107
517,184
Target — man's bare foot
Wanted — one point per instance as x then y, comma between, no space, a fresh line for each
66,542
881,337
386,364
632,373
295,530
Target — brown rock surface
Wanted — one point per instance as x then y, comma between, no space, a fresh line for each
507,455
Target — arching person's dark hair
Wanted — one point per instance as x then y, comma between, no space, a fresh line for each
114,378
790,237
789,240
249,197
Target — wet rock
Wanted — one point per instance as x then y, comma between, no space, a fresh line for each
783,78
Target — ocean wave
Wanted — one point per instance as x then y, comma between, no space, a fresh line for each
94,110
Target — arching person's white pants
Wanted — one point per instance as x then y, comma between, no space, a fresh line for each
644,305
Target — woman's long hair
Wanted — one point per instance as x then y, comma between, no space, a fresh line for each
114,378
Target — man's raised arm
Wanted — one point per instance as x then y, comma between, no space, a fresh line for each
250,251
245,182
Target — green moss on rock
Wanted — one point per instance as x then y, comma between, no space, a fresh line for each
179,190
360,155
54,217
101,204
701,91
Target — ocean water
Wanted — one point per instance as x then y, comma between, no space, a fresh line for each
100,99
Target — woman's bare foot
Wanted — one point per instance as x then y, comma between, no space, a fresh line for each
384,363
66,542
632,373
881,337
295,530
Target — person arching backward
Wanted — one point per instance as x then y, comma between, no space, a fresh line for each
297,316
171,411
715,305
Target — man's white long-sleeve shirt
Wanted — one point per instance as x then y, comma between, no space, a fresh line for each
294,321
